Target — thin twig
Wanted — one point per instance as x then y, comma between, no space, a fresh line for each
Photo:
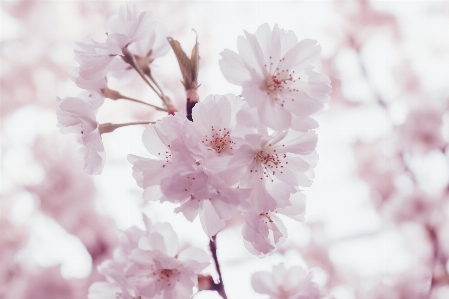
108,127
219,286
142,102
131,60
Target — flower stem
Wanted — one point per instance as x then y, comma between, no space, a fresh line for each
219,287
115,95
129,58
142,102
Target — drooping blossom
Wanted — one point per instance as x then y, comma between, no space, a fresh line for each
280,283
277,77
78,115
263,232
149,264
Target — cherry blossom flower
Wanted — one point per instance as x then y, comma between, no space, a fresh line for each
128,26
149,264
77,115
94,60
264,232
190,159
273,166
277,76
145,51
280,283
141,31
158,139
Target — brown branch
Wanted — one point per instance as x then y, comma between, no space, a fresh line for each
219,287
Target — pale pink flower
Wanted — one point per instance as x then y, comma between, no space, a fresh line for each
274,166
190,158
141,31
158,139
207,197
128,26
214,120
280,283
264,232
277,76
149,264
94,60
78,115
145,51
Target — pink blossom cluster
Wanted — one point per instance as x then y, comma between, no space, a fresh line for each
250,154
144,36
150,264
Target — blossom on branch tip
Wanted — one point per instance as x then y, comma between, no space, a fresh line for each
277,76
128,26
78,115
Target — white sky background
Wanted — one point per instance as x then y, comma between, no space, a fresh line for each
336,197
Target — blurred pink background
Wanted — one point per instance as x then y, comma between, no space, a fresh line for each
377,219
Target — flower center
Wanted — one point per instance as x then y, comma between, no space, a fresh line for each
265,217
278,81
270,161
219,140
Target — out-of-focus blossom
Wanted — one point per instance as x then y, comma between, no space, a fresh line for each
280,283
411,285
48,283
422,130
149,264
277,76
362,20
378,164
78,115
416,207
12,239
67,196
